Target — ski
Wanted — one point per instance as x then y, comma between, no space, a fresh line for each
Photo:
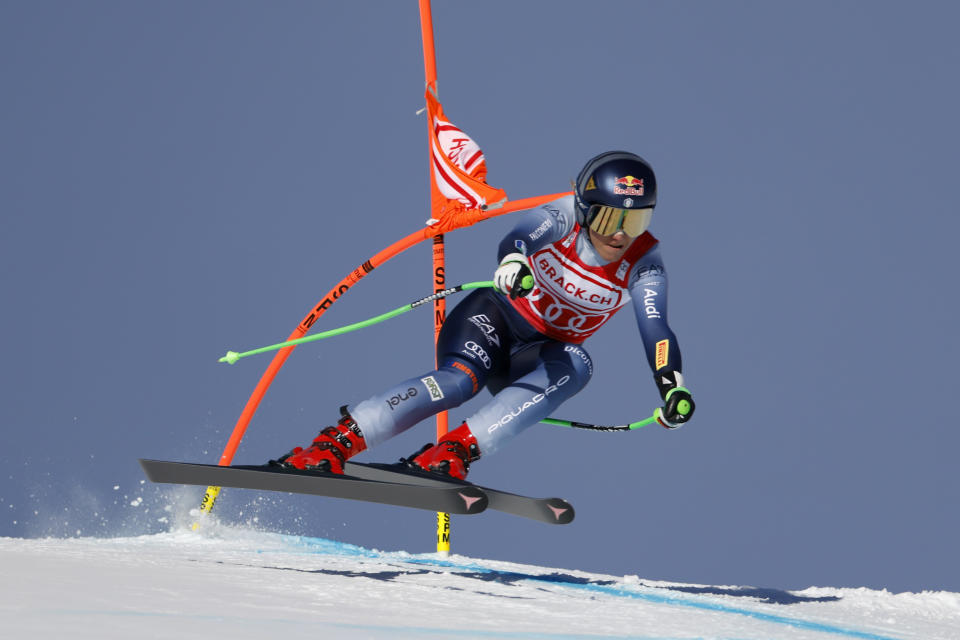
462,499
548,510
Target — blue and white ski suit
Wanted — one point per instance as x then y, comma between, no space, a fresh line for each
487,341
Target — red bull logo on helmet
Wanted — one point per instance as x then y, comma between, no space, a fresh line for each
628,186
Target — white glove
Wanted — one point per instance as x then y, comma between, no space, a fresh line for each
513,277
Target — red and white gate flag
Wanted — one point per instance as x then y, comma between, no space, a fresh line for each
458,174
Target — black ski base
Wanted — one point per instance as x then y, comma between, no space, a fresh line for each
450,499
393,484
547,510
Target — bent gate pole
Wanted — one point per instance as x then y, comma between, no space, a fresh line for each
332,296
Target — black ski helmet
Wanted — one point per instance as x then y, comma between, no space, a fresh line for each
616,179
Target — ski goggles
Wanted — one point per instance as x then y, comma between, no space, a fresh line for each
608,220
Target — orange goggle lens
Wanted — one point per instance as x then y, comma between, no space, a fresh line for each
608,220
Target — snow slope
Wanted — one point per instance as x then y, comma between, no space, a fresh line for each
235,582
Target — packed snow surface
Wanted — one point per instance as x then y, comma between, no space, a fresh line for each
236,583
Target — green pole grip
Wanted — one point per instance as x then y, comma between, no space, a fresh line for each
594,427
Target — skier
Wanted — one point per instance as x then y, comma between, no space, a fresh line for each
563,271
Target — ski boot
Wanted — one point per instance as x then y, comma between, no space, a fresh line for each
329,450
451,456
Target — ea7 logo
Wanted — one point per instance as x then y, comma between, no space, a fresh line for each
489,331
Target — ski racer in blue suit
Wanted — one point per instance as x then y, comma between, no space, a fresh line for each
563,271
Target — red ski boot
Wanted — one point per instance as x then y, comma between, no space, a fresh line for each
451,456
329,450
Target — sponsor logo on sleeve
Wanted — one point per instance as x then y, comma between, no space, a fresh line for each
542,229
650,303
662,354
650,270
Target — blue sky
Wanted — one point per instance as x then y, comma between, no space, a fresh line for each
180,179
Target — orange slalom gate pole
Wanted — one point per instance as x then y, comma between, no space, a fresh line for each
439,256
439,316
429,53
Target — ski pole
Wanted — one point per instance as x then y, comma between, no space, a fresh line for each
233,356
596,427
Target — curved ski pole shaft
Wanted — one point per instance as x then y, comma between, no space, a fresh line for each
596,427
233,356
